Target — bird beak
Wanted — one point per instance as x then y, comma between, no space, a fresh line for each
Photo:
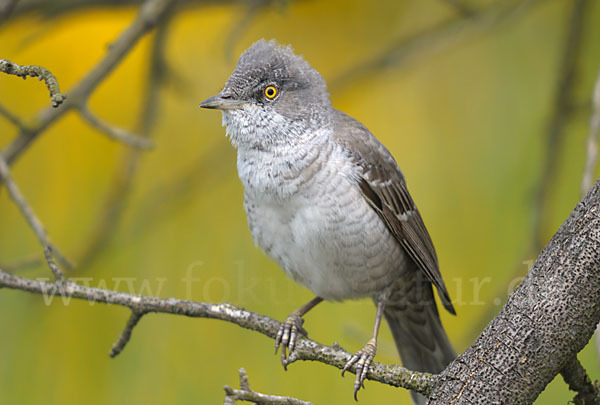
222,102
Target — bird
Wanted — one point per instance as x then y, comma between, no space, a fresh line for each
327,201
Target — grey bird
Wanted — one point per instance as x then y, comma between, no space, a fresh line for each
327,201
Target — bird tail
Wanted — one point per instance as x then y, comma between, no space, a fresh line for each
418,333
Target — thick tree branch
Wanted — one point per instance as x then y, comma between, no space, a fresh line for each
44,74
548,319
577,379
538,334
513,359
245,393
306,349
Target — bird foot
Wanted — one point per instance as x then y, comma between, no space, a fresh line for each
363,359
287,336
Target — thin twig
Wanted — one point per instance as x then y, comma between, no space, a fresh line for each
149,14
12,118
244,381
245,393
58,274
559,117
165,198
433,40
42,73
592,142
115,133
460,6
6,8
54,9
35,224
117,197
561,113
305,349
159,73
577,379
120,344
23,264
253,8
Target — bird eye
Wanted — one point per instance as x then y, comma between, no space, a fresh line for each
270,92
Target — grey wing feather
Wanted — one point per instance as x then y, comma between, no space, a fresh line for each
384,188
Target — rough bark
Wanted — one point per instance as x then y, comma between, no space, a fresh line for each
549,318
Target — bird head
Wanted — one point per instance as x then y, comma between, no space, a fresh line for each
272,95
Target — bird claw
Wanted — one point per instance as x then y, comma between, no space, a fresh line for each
363,359
287,336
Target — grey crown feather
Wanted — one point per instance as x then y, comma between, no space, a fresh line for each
269,61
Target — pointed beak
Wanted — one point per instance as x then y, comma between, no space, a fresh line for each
222,102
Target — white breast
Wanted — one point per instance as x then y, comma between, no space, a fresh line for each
314,222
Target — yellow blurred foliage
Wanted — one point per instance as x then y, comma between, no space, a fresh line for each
467,124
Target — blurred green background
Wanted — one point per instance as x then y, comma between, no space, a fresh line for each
466,110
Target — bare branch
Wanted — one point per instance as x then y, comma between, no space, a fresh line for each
35,224
12,118
50,9
433,39
253,8
120,344
592,141
577,379
246,394
10,68
6,8
23,264
561,113
559,116
165,198
115,133
58,274
244,381
149,14
549,318
305,349
159,71
460,6
117,199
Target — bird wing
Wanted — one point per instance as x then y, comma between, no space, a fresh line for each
383,186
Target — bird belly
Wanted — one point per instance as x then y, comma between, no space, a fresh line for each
329,239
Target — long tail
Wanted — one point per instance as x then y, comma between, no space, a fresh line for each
420,338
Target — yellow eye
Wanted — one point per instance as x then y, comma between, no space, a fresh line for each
270,92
